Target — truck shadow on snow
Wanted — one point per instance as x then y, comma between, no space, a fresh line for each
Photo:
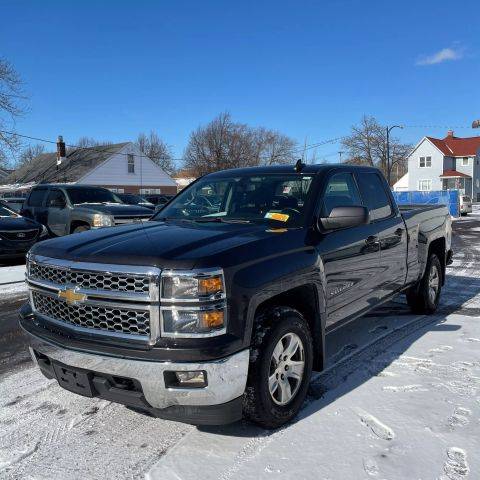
365,347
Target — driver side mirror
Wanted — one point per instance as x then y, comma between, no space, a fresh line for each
345,217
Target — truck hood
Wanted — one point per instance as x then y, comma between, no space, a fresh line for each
172,244
117,210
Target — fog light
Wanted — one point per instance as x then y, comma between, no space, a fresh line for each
189,379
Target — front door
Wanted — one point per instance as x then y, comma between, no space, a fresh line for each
351,256
391,230
57,212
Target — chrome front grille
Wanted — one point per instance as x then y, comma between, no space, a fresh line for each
97,317
125,220
19,235
89,280
119,301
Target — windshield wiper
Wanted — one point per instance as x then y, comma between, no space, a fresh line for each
219,220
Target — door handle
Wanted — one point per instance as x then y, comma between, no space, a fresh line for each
371,240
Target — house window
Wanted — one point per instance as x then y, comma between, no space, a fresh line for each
131,163
425,162
117,190
424,185
465,162
150,191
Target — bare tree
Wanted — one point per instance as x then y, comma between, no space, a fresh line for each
223,144
157,150
87,142
29,153
12,106
366,145
275,147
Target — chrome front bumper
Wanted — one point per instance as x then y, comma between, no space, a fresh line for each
226,378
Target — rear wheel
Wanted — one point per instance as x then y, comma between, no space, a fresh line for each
424,298
280,368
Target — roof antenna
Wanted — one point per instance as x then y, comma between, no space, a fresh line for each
299,165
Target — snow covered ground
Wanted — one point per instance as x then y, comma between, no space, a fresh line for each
410,412
10,274
400,400
12,281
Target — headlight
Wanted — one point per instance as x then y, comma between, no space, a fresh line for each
187,322
193,303
43,232
189,286
100,220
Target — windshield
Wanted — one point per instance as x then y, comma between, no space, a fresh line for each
134,199
15,205
92,195
278,198
6,212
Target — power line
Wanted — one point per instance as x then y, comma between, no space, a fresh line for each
106,150
438,126
98,148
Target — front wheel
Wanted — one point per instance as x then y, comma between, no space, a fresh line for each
424,297
280,368
81,228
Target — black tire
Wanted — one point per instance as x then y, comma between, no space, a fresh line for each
259,405
81,228
420,298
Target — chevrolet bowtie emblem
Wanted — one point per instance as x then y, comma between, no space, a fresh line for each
71,296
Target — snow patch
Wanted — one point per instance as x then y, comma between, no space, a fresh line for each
376,426
370,466
441,349
9,458
456,466
459,417
405,388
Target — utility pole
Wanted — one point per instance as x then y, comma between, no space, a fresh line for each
340,156
389,129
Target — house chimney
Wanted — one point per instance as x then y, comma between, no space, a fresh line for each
450,133
60,151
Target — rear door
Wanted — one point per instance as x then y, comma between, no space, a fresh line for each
35,205
390,229
351,256
57,212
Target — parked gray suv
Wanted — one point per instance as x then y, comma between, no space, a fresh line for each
66,209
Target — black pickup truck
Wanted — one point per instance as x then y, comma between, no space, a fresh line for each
204,316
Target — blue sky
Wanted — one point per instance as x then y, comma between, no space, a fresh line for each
309,69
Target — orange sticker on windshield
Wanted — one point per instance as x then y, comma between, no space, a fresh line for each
281,217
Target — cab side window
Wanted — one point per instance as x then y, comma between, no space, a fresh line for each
56,199
36,197
341,191
374,196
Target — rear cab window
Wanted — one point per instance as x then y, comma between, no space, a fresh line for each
36,197
374,196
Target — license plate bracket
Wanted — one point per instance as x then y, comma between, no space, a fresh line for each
74,380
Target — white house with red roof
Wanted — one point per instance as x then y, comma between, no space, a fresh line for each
447,163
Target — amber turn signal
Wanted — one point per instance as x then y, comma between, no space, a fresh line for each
210,286
212,319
